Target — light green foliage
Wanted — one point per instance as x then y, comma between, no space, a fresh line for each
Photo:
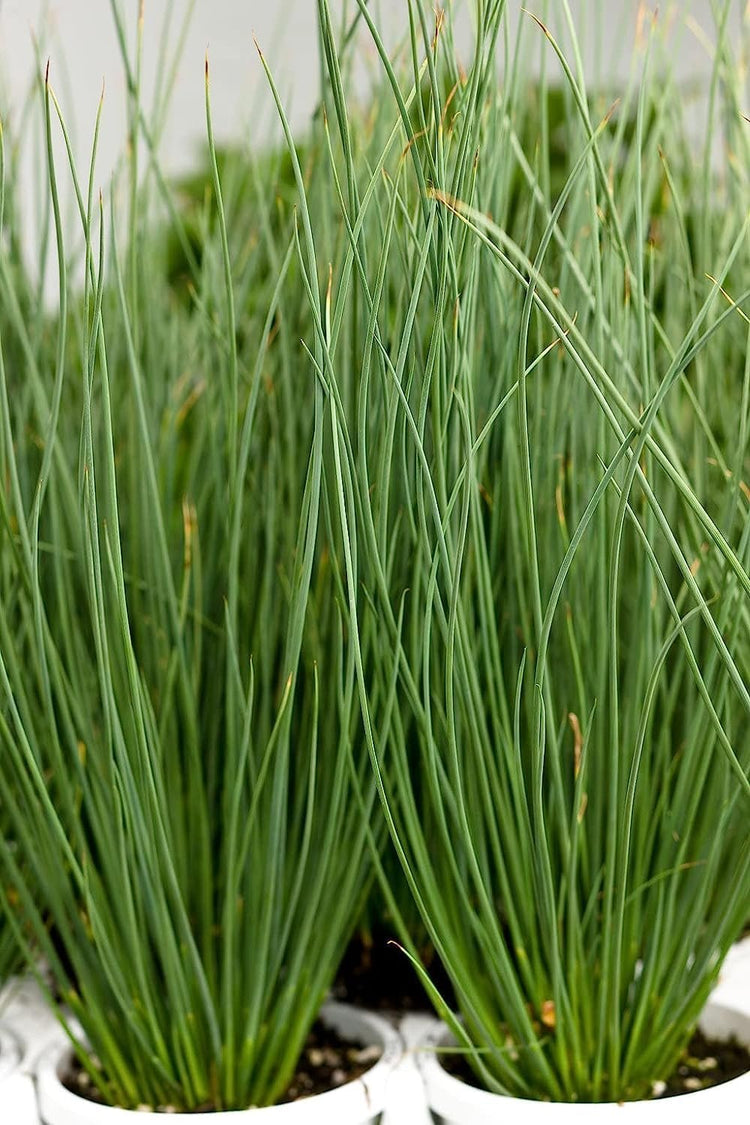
539,398
491,526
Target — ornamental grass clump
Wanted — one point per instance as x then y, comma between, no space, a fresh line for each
542,515
185,790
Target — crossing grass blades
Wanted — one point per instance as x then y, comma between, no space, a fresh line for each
185,794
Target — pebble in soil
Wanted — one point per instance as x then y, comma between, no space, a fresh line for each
706,1062
327,1061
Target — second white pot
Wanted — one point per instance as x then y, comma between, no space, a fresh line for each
456,1103
17,1101
733,987
356,1103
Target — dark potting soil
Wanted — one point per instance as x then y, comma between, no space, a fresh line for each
705,1062
327,1061
376,974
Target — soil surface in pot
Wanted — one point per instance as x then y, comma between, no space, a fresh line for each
327,1061
705,1062
376,974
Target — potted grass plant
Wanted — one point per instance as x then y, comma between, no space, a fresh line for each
186,789
544,522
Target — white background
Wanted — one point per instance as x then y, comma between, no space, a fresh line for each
78,37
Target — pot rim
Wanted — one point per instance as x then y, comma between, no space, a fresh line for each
354,1103
458,1102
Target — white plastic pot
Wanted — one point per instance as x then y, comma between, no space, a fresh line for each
17,1101
456,1103
10,1054
359,1102
733,988
31,1027
24,1010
